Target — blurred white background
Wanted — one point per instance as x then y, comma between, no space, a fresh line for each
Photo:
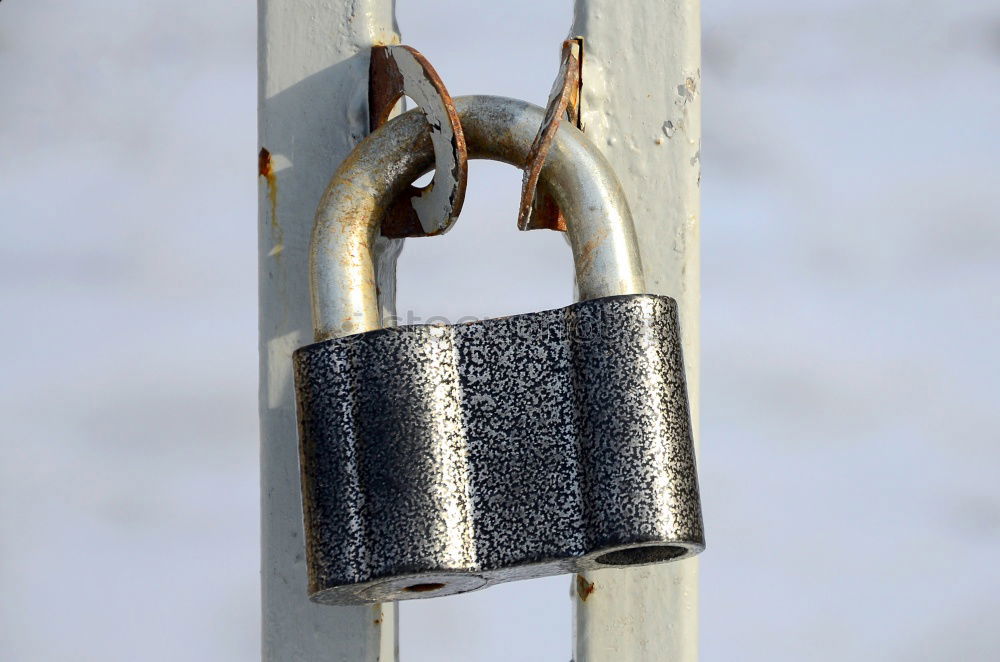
851,308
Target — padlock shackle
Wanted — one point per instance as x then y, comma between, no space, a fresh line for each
341,265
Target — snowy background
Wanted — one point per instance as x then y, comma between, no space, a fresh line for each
851,309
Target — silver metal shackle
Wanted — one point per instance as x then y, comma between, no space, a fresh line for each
341,264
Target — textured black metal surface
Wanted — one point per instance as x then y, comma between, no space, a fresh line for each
441,459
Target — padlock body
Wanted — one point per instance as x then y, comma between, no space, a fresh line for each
442,459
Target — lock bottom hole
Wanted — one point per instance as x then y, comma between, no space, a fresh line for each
641,555
424,588
422,585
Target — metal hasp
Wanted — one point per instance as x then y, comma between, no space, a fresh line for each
395,71
443,459
537,209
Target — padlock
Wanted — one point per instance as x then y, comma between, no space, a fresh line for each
439,459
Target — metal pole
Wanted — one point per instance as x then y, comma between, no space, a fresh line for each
313,108
641,105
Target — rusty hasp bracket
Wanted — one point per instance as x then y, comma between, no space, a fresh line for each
396,71
538,209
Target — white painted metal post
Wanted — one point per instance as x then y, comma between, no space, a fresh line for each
641,105
313,108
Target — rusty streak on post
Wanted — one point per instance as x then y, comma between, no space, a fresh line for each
265,169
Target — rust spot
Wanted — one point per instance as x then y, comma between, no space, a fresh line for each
378,621
264,162
586,258
583,588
